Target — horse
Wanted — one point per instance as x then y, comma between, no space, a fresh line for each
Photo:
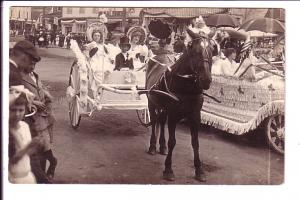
176,92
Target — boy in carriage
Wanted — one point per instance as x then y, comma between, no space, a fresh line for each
123,60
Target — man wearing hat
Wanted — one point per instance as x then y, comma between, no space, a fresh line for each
123,60
23,54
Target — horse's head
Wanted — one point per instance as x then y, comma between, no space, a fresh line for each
199,54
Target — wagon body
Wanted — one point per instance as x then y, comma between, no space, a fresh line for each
246,105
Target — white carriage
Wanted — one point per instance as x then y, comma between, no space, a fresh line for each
119,90
93,85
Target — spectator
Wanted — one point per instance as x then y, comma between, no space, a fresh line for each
21,55
42,122
20,143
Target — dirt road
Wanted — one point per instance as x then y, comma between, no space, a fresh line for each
110,147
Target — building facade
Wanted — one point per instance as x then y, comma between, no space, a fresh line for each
76,19
20,19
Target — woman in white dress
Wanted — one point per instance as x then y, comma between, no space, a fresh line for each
139,51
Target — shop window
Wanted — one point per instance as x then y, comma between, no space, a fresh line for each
69,10
81,28
95,10
81,10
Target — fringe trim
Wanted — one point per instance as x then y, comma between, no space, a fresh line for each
272,108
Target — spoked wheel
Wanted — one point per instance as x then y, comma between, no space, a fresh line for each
74,106
275,132
144,117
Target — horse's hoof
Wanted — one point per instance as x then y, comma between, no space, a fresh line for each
152,151
163,151
200,176
169,176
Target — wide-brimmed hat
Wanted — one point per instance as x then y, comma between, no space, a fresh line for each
159,29
96,27
28,48
137,31
124,41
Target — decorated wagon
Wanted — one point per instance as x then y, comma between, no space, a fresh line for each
94,84
246,105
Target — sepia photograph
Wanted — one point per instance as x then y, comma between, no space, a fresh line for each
135,95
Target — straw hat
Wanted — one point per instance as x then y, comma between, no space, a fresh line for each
137,31
96,27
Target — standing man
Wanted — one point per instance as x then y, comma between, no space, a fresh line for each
21,55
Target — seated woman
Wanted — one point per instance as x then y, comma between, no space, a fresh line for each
138,51
226,66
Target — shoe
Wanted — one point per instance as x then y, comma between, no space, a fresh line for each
51,169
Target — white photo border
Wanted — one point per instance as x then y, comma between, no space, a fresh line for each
289,189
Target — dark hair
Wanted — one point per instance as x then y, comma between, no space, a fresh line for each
229,51
21,100
96,31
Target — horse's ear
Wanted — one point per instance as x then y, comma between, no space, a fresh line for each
191,34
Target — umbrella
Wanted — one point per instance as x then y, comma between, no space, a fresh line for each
222,20
159,29
267,25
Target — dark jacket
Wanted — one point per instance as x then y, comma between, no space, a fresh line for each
43,118
14,75
121,62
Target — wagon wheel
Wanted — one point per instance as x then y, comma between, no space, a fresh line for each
74,103
275,132
144,117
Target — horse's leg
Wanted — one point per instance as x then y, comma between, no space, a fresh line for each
168,173
194,121
153,118
162,139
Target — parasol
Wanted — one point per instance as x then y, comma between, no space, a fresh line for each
222,20
267,25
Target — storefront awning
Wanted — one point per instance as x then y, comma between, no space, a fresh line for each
73,21
181,12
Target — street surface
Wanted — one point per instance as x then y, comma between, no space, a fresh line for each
111,146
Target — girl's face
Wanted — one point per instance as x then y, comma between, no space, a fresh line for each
97,37
135,39
16,113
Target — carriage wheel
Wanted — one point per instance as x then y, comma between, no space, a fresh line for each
74,103
275,132
144,117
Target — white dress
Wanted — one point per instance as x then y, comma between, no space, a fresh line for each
21,171
100,63
133,51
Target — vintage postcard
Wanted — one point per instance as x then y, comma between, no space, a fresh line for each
139,93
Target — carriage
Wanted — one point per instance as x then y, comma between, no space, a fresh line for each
110,89
248,105
119,91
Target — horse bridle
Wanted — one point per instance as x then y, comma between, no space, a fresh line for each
205,51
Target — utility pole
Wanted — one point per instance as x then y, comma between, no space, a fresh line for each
124,19
43,19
